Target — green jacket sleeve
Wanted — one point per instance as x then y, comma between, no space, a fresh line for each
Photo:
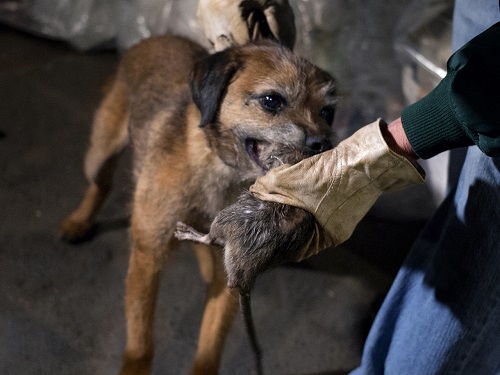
464,109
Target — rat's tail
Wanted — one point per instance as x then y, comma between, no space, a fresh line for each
246,310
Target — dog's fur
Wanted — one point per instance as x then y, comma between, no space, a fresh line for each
201,127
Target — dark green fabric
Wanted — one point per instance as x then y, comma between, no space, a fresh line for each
464,109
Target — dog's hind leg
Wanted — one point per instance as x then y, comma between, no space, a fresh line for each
108,139
220,309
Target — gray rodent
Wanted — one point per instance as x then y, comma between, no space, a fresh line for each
257,235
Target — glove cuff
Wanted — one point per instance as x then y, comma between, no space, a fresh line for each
366,167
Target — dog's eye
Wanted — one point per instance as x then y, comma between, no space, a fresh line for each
273,103
327,113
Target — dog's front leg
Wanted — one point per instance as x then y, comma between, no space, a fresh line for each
143,280
220,310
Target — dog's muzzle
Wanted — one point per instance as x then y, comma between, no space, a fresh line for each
317,144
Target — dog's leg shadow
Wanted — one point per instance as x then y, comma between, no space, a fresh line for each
112,225
336,372
101,227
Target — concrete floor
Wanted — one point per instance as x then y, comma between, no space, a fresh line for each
61,305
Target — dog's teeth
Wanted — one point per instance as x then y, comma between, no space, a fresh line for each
256,149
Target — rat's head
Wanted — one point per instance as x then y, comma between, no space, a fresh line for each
260,235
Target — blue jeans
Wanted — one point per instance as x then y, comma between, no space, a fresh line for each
442,314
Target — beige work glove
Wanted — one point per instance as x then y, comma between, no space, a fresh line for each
339,186
235,22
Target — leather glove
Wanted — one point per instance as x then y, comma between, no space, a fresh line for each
236,22
339,186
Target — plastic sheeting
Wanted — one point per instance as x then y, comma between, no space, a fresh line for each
96,24
353,39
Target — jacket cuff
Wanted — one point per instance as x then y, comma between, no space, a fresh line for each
431,124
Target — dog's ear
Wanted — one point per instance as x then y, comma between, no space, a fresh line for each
209,82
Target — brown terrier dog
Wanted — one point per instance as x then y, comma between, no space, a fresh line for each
201,128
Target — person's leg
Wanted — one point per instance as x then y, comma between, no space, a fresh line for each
442,314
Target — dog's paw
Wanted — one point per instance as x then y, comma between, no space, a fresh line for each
134,366
75,231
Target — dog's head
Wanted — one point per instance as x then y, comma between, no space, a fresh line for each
259,98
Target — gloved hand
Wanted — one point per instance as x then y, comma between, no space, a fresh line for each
236,22
339,186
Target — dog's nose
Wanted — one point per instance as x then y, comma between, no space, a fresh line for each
316,144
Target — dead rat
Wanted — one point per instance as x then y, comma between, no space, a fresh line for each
257,235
